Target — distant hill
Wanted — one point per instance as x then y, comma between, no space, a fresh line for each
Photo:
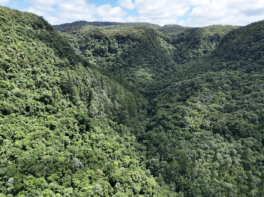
172,29
244,44
102,24
197,42
135,52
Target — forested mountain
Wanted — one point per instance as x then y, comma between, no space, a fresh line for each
172,29
196,42
107,109
103,24
64,126
131,53
206,128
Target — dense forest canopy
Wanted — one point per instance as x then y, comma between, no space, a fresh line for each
167,28
130,109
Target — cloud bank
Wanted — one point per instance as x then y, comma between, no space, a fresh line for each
198,13
188,12
65,11
3,2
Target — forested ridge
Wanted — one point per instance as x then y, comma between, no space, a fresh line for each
103,24
116,109
64,126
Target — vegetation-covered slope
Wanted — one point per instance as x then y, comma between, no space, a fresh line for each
143,55
135,53
244,44
209,118
195,128
101,24
63,125
204,134
172,29
196,42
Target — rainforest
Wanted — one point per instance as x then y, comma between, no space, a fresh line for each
106,109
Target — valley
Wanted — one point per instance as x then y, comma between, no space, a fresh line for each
130,109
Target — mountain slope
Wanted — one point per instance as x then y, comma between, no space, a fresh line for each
205,107
173,29
101,24
138,54
144,56
244,44
63,124
185,122
209,120
197,42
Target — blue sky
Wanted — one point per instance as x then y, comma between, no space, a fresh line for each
186,13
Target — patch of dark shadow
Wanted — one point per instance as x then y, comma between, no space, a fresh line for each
79,51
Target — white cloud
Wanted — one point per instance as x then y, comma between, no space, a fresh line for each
126,4
14,4
199,13
44,2
234,12
70,11
160,12
66,10
203,12
52,19
4,2
109,13
38,11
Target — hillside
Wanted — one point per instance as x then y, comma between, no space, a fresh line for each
102,24
133,53
197,42
172,29
209,117
205,107
63,124
113,109
243,45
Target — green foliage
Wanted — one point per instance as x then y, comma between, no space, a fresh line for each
173,29
142,110
196,42
65,128
102,24
130,55
202,115
211,109
244,44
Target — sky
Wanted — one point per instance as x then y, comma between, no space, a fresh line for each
195,13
